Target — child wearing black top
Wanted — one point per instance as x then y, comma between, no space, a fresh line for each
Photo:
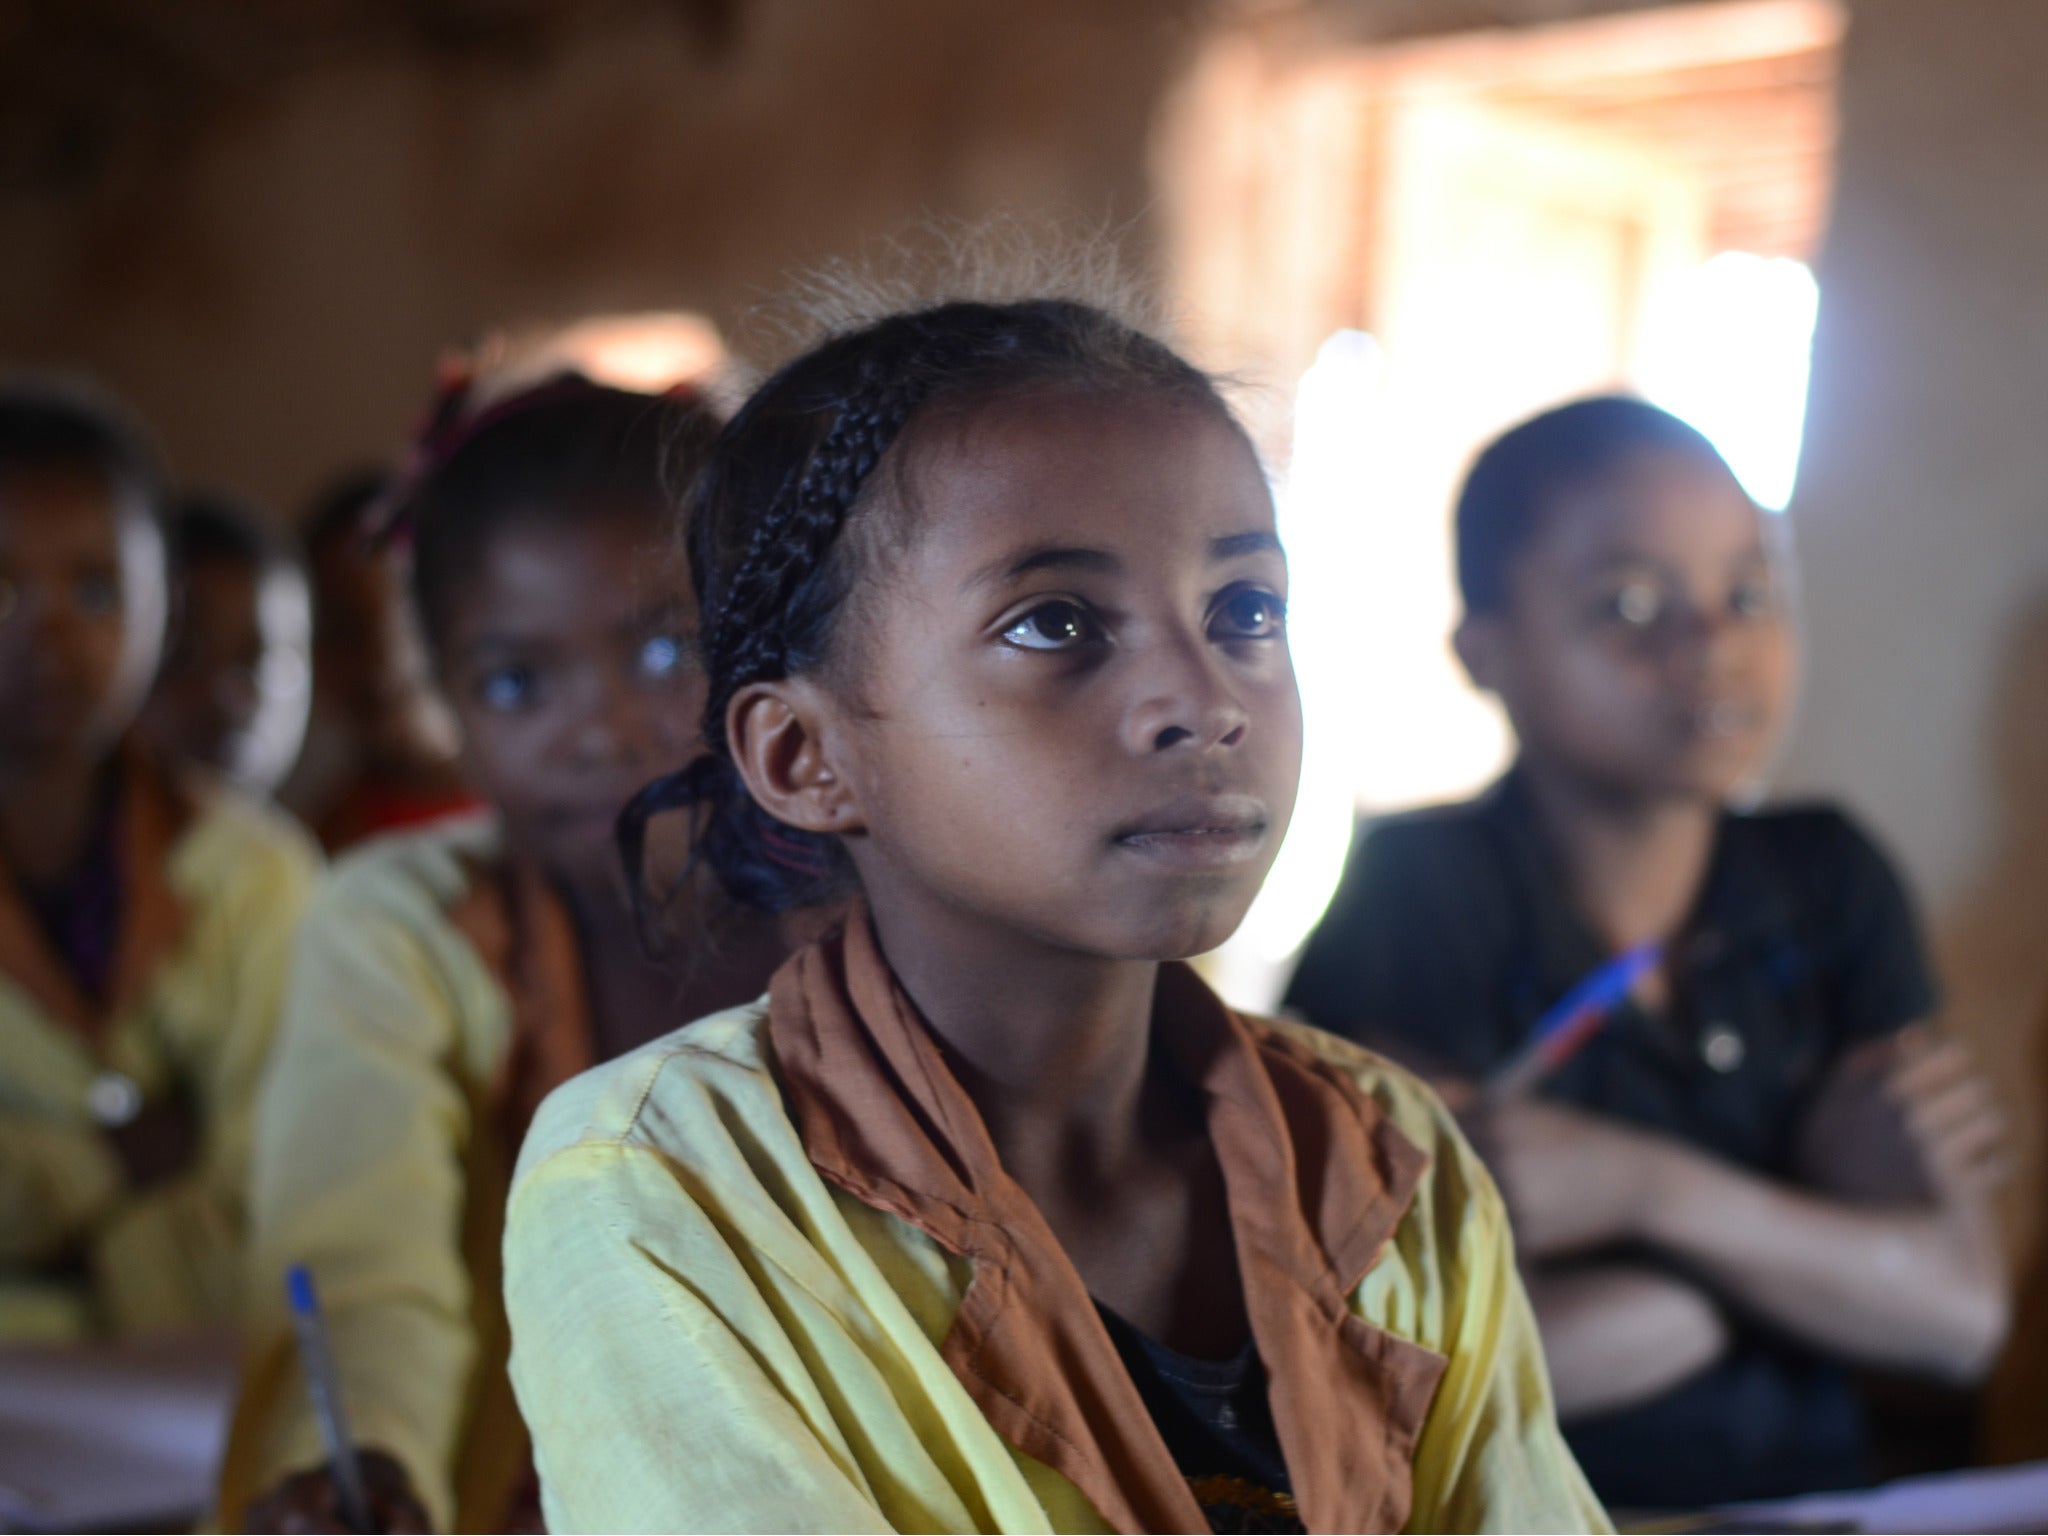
1764,1167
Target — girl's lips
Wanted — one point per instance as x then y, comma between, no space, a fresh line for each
1199,831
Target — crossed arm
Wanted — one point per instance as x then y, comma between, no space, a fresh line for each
1886,1259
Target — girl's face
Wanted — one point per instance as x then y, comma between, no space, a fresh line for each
232,692
1645,644
1071,710
82,602
565,655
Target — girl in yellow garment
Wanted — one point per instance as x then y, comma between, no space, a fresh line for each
145,921
990,1217
448,977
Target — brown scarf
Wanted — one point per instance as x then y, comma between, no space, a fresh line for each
1317,1178
153,813
520,926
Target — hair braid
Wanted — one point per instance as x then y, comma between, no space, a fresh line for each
791,545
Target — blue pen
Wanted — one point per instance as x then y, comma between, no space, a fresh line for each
1575,1019
324,1383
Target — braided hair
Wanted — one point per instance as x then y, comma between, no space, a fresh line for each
785,516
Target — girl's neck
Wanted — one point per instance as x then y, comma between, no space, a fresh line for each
47,815
631,1000
634,997
1634,863
1052,1047
1055,1051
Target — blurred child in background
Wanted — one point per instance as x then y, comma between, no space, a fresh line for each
232,693
450,976
379,751
144,919
1766,1166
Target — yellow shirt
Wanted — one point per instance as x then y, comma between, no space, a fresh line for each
212,886
710,1335
382,1158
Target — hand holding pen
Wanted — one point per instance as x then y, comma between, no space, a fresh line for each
308,1501
357,1490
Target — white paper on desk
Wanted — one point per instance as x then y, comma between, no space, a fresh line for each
112,1436
1981,1500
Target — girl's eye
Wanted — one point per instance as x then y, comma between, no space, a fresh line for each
662,657
1250,613
1056,626
505,689
1750,600
96,595
1638,604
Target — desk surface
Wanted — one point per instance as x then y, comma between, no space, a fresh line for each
113,1436
1984,1499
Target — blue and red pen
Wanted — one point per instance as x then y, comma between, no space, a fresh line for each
1576,1018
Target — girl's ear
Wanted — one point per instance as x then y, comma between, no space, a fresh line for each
1481,643
776,732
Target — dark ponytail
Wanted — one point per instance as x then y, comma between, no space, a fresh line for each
787,479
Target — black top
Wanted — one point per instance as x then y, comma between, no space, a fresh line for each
1452,933
1216,1420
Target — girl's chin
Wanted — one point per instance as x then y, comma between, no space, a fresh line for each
1185,935
1716,776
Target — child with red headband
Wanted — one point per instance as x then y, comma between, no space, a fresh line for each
449,977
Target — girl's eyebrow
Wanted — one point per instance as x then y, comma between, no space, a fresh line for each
1045,557
1064,557
495,640
1623,560
1234,546
655,610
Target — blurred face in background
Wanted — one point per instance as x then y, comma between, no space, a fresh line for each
82,607
234,689
565,654
1645,646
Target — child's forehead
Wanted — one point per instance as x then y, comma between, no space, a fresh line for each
64,506
592,566
1655,501
579,535
1144,469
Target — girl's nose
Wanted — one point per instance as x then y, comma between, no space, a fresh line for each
1709,641
597,736
1186,699
620,724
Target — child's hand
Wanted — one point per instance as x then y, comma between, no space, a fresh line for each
159,1144
308,1501
1572,1181
1951,1114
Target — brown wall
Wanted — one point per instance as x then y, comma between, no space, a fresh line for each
1922,510
271,287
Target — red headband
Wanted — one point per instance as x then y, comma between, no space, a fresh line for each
446,425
